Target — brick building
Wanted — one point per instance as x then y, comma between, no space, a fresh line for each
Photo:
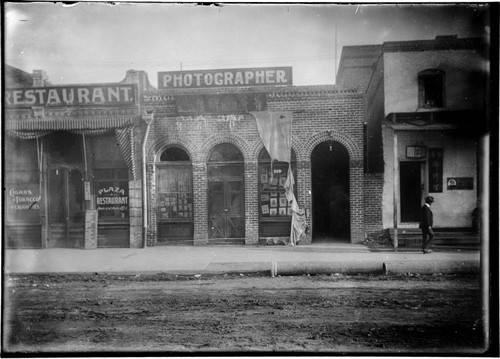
207,139
179,164
425,115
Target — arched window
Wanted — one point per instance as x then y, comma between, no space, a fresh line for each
174,179
431,88
174,154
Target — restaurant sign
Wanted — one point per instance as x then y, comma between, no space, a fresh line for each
112,201
225,78
57,96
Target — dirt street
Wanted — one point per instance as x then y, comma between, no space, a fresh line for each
336,313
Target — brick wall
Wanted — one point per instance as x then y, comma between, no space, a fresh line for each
373,185
320,113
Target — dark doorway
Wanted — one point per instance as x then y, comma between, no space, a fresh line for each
66,207
410,190
330,192
66,190
226,194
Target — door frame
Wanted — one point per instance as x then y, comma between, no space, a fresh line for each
66,169
423,187
316,237
225,180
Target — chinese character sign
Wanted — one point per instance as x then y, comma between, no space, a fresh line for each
435,170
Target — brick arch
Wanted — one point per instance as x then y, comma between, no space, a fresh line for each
297,146
215,140
355,152
158,146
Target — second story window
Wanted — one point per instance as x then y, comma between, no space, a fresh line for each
431,89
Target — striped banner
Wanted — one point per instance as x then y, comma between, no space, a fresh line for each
125,138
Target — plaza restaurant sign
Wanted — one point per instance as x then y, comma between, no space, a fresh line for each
225,78
108,95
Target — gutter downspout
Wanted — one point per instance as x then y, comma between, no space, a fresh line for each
148,118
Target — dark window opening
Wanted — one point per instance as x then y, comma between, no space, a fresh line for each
174,154
431,89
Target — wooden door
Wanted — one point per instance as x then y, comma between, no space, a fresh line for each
66,213
226,209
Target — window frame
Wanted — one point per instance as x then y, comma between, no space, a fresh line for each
424,80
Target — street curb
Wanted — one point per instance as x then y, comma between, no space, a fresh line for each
431,267
289,268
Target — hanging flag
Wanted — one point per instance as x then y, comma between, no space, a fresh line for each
275,130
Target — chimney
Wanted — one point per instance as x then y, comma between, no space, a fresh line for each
40,78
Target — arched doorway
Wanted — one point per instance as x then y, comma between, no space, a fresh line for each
330,192
174,197
226,195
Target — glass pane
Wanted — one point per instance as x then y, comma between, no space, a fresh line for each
57,205
76,194
216,190
174,154
225,152
175,198
273,201
112,200
236,194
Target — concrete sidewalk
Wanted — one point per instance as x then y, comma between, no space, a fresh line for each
278,260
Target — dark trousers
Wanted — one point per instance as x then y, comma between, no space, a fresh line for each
427,237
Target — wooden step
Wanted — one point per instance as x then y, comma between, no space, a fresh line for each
460,237
226,241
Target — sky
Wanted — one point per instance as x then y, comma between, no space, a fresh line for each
93,42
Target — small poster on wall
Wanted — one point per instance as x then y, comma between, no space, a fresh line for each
273,211
265,209
274,202
282,202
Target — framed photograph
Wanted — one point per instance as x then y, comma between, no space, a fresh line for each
282,181
282,201
274,194
274,181
289,211
265,209
282,211
264,197
273,212
274,202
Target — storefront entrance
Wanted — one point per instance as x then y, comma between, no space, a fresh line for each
410,190
330,192
226,195
66,211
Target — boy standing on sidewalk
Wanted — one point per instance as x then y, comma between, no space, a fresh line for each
426,222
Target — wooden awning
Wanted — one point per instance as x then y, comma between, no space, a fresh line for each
71,123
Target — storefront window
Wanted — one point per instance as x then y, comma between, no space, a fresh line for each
272,180
174,195
22,181
112,196
274,210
